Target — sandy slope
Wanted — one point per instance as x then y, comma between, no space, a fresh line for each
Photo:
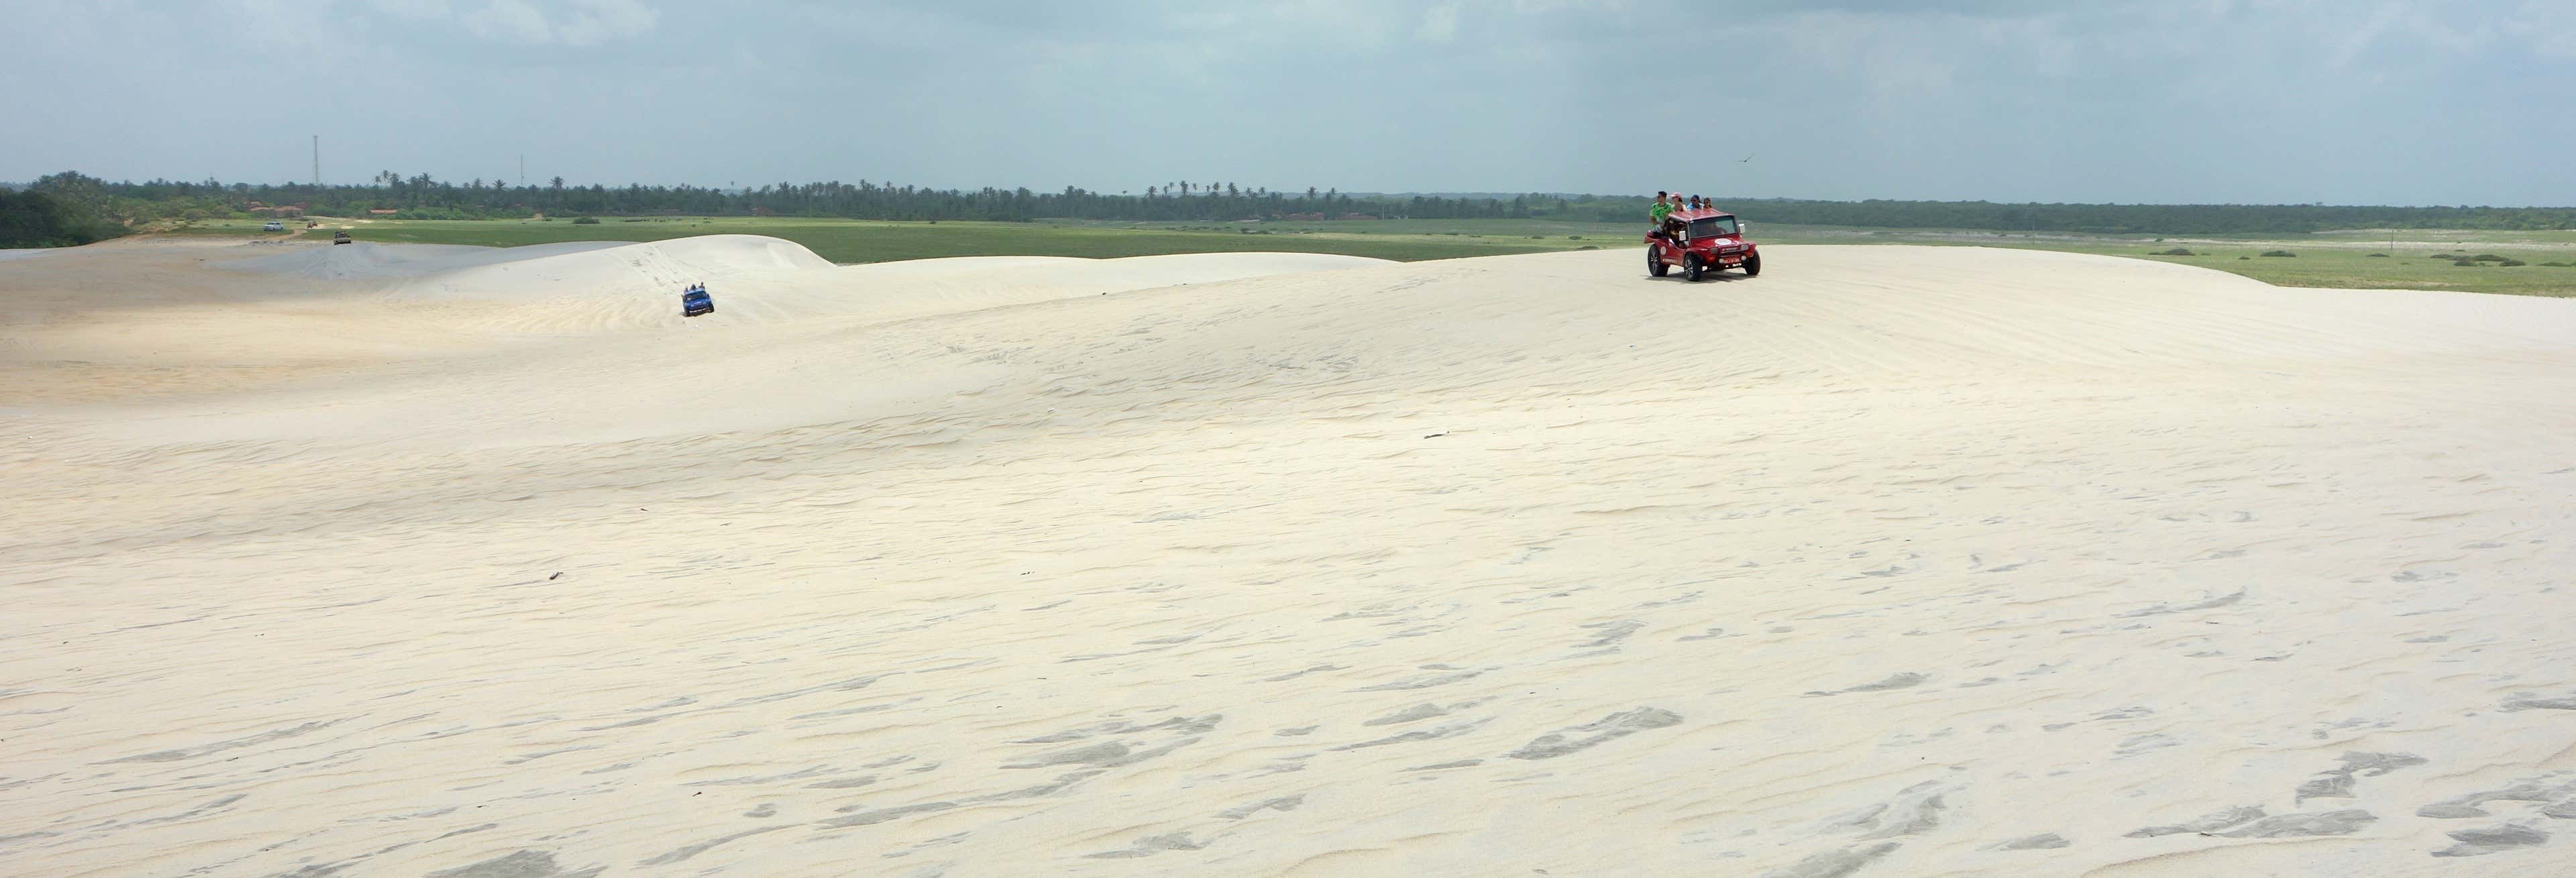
1894,561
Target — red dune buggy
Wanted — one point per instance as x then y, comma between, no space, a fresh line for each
1698,242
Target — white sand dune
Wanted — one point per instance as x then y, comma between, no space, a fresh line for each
1893,561
369,261
590,288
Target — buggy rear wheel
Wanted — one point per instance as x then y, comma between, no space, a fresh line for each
1655,262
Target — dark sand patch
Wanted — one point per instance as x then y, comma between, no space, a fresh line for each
861,815
1151,845
1422,681
1415,713
1283,803
1196,725
523,864
2210,822
2041,842
1907,680
843,783
1610,633
2344,822
1833,864
2338,783
1915,810
2534,789
220,746
1617,725
2164,609
1450,730
2492,840
688,851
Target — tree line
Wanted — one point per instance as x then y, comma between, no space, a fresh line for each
422,197
71,208
62,210
2146,219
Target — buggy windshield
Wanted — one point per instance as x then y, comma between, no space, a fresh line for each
1712,227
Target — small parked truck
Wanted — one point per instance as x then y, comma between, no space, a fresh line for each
272,226
338,238
1699,242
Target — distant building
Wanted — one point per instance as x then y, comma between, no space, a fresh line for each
382,211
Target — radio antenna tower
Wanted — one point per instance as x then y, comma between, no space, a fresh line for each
317,161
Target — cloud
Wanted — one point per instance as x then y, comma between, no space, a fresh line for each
1440,23
2551,27
412,10
568,22
596,21
510,21
2362,37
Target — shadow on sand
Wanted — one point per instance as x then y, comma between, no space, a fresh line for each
1677,277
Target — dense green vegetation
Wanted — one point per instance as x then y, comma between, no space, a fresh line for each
2141,219
33,219
58,211
870,223
422,197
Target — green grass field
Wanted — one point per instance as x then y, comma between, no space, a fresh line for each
2460,237
2333,259
2339,260
2402,269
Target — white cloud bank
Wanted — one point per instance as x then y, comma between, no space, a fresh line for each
533,22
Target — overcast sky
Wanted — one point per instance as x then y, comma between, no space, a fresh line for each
2250,101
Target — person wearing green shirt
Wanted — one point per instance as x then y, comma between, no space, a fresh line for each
1663,207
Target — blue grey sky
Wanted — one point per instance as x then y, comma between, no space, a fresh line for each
2244,101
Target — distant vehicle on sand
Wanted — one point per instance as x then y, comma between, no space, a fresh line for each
695,301
272,226
339,238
